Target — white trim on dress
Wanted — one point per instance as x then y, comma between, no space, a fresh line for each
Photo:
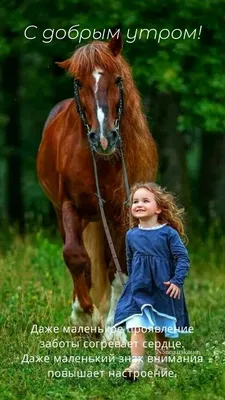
142,307
152,228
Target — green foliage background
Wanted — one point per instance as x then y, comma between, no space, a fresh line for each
189,70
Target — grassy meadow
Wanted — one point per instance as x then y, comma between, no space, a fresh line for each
36,288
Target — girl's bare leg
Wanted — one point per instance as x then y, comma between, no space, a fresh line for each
137,339
137,355
161,350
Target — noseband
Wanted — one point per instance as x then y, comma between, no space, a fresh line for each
82,115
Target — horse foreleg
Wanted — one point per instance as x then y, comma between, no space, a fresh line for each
60,223
84,312
116,289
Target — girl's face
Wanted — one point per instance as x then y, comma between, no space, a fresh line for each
144,205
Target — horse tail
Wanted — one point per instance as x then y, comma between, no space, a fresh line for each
93,237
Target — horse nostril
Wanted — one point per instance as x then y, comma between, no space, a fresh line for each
114,134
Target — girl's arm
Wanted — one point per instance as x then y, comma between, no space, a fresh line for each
180,255
129,255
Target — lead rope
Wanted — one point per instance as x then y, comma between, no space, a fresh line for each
105,224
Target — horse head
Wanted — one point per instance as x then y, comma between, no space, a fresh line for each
98,90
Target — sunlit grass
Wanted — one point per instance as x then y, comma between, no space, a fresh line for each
36,288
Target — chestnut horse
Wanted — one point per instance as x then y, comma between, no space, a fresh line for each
65,172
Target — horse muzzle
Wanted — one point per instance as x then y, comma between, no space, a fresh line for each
104,144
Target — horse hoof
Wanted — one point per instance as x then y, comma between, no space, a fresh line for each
112,335
81,319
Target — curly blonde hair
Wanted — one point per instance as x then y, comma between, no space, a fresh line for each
170,214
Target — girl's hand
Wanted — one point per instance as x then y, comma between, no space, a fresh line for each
173,290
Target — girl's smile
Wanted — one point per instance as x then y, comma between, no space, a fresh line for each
144,204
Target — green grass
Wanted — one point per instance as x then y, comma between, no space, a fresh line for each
36,289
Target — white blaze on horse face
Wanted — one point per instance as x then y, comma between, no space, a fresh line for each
100,114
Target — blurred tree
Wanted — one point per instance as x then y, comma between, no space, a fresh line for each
173,162
10,85
211,176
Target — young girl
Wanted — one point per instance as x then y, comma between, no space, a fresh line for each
157,264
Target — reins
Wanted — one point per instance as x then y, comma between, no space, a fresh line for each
101,201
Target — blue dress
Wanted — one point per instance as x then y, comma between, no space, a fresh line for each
154,255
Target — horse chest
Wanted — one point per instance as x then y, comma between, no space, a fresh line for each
86,202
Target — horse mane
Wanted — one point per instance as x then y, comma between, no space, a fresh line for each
138,145
97,54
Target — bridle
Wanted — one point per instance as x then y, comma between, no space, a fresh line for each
126,184
82,115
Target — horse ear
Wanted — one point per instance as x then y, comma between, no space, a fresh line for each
116,44
64,64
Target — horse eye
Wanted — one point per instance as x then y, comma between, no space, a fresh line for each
118,80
